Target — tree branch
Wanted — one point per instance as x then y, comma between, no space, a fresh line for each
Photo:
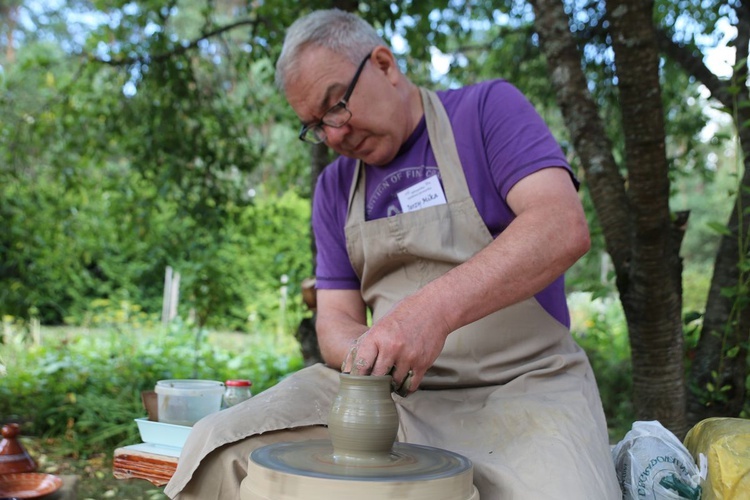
125,61
587,130
741,43
490,45
691,61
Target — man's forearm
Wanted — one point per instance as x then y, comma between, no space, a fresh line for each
340,321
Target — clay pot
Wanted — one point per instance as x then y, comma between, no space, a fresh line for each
150,402
363,421
13,456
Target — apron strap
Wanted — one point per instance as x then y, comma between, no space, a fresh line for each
444,146
355,210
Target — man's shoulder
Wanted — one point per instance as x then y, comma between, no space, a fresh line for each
341,164
489,102
478,92
337,176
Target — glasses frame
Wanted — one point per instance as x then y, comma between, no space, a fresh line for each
315,130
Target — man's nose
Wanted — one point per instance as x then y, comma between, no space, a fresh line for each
335,135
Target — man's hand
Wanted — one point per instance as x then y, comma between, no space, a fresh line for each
404,343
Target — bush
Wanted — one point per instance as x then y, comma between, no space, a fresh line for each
599,327
83,386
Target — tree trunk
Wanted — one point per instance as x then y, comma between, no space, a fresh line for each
347,5
653,302
587,131
719,366
306,334
719,369
10,14
321,156
636,222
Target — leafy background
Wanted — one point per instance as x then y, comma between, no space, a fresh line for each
140,135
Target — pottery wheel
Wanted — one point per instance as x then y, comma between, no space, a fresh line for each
308,470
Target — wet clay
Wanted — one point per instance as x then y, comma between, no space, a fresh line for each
361,458
363,421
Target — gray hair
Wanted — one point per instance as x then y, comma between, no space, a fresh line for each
339,31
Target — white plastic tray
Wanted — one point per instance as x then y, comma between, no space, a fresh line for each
162,433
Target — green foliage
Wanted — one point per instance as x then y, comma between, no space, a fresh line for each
84,386
141,155
136,140
696,281
111,172
599,327
243,276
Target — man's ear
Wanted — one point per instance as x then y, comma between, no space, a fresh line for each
384,61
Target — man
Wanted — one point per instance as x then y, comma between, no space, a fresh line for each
452,218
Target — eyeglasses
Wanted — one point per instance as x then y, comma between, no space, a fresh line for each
337,116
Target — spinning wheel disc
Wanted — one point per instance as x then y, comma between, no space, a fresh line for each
309,470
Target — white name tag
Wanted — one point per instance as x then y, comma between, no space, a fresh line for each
427,193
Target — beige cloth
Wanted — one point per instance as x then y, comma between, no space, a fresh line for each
512,392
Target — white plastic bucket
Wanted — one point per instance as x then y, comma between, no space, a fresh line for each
185,401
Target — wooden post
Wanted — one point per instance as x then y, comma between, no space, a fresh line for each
171,296
284,290
165,308
174,297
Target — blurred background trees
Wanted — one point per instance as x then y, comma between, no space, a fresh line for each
139,135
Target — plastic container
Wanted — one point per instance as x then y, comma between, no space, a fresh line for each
236,391
161,433
184,402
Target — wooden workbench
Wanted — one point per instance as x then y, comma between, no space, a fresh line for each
153,463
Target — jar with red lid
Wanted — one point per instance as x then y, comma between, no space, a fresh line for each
236,392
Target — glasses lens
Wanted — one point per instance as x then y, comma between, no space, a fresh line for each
313,135
337,116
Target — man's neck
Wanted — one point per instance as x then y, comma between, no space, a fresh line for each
416,108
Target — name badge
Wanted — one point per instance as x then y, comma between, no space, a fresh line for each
427,193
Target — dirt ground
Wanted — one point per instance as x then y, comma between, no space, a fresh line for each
95,479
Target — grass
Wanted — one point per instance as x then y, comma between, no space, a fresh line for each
76,392
95,478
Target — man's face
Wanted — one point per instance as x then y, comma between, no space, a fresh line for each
375,131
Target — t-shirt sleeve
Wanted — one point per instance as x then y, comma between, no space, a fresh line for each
518,141
333,270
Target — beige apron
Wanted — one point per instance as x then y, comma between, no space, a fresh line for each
529,415
517,394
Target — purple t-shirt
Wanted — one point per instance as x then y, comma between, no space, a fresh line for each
500,139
